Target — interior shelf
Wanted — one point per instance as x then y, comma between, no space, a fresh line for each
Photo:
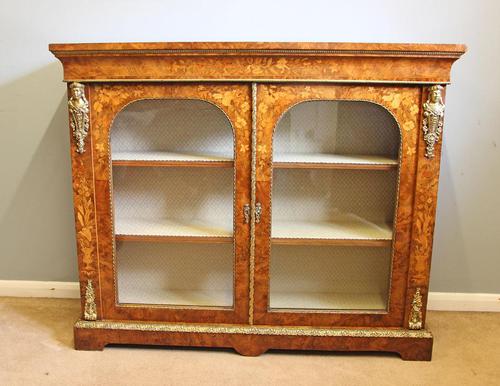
281,161
327,301
351,230
171,230
280,300
333,161
157,158
177,297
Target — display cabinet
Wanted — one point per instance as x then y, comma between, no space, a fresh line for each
256,195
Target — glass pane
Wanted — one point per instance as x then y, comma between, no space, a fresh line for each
335,173
172,201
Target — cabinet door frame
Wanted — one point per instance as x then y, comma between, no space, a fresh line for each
273,100
106,100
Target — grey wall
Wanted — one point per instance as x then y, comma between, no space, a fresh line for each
36,218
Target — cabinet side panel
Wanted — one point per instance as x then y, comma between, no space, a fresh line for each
424,209
85,210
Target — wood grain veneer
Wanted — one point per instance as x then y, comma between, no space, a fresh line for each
323,62
394,76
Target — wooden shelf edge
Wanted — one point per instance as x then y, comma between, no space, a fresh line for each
338,242
339,166
276,165
274,240
176,239
152,163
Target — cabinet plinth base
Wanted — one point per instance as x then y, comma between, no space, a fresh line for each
255,340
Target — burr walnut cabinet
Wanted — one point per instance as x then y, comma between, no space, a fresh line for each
256,195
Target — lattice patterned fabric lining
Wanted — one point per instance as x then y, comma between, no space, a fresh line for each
329,195
179,126
177,274
187,196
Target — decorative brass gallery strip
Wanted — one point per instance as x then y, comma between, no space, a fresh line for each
262,51
255,330
258,80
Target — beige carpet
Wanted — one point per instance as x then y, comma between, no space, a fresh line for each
36,348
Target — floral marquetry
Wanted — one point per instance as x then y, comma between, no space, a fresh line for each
256,195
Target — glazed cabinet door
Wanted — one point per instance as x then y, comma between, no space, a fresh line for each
335,171
171,169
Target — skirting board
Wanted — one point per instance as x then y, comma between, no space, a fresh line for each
40,289
438,301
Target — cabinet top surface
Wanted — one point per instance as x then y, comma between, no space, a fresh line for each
212,61
280,48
